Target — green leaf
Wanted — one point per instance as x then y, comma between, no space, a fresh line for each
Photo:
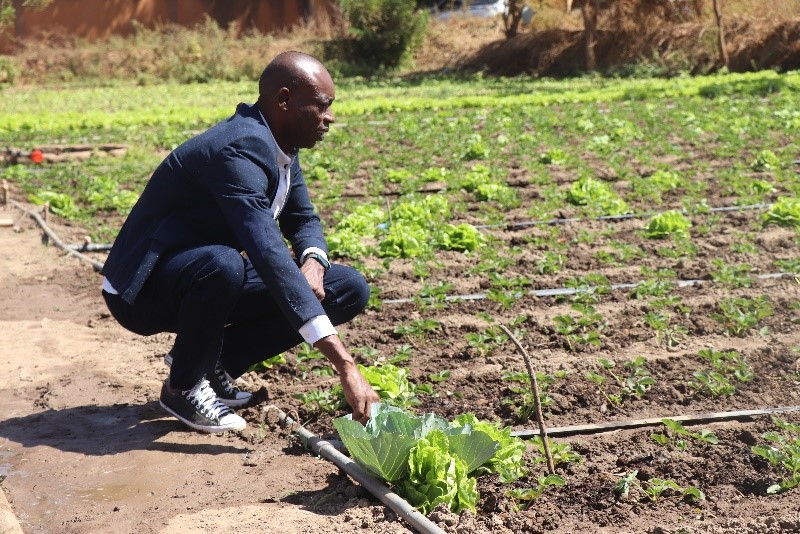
382,447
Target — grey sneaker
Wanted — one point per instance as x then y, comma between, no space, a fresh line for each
199,408
227,394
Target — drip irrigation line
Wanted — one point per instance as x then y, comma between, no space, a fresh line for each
566,291
91,247
653,421
626,216
329,451
55,239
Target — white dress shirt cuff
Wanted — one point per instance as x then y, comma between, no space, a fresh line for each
309,250
316,328
108,288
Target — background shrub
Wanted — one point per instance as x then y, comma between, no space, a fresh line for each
383,32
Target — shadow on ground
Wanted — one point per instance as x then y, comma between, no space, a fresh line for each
104,430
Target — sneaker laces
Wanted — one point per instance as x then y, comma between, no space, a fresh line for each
222,377
204,398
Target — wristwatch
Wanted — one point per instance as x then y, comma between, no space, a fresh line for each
320,258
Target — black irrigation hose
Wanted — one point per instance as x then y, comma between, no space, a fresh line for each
564,291
623,217
328,450
653,421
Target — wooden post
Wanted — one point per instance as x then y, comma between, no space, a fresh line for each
5,192
723,53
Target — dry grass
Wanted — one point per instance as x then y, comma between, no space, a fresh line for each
551,45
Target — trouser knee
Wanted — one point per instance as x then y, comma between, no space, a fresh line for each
347,294
220,277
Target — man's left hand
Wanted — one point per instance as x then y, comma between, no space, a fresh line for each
314,273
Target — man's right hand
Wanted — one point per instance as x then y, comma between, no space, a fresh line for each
357,391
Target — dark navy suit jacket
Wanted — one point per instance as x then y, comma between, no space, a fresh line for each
217,189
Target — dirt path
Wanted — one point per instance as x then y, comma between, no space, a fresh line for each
84,446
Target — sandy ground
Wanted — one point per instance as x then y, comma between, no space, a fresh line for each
84,446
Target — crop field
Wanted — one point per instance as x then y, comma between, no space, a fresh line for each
640,237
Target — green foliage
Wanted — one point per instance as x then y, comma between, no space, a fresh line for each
783,453
739,315
522,399
677,436
581,331
670,223
733,276
60,203
485,343
429,459
785,212
655,488
528,495
384,32
404,240
597,195
561,453
616,388
667,333
766,160
508,460
462,237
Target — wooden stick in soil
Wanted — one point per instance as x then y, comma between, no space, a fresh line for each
551,468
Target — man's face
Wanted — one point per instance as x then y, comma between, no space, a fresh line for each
311,110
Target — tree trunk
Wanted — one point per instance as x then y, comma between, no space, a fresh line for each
589,12
723,53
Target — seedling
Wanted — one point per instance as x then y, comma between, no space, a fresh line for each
587,288
655,488
417,328
741,314
582,330
712,383
320,400
733,276
523,400
616,388
487,341
670,334
651,288
677,436
561,453
528,495
728,363
783,453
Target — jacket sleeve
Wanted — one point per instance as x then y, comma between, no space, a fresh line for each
237,182
299,221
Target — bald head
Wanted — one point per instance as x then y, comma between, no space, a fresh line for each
295,94
290,70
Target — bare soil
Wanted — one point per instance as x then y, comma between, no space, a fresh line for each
85,447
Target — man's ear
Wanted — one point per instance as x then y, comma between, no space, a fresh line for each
283,98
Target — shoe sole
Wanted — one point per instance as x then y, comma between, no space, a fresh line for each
230,403
203,428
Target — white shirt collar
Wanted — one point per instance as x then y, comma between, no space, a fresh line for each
283,158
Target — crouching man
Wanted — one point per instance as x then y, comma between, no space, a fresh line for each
177,264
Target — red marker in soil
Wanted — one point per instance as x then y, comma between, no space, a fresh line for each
37,156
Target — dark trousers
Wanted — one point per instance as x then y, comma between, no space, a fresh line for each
221,310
